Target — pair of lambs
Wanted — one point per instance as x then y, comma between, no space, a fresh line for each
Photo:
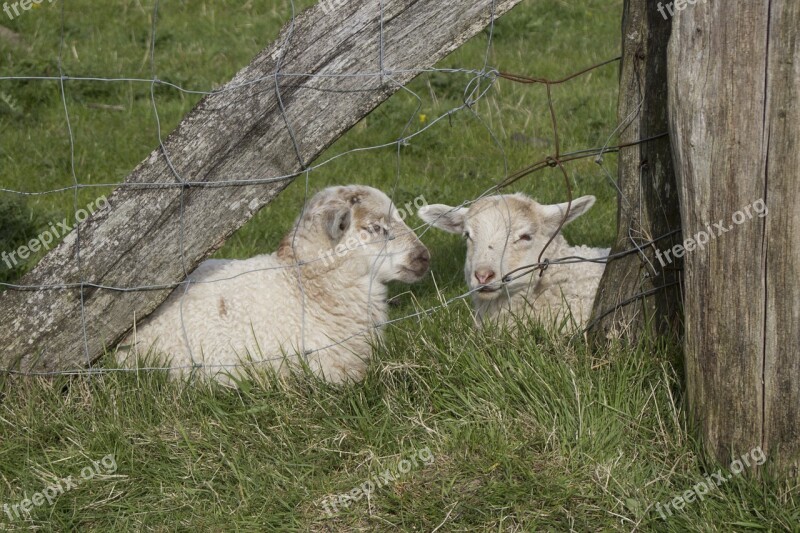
320,299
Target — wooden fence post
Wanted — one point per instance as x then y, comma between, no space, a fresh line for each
734,79
648,196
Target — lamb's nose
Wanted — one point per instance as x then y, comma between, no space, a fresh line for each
484,275
424,257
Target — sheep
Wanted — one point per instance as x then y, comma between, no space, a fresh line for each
322,294
506,232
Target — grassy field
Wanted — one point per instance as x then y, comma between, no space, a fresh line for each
533,433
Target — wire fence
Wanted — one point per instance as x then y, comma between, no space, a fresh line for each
481,83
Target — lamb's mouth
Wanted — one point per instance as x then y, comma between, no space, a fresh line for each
417,274
488,292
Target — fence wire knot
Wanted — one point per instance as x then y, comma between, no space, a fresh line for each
544,265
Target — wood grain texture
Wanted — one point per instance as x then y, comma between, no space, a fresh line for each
782,238
648,195
734,74
262,125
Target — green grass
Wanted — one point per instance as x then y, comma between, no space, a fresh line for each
533,433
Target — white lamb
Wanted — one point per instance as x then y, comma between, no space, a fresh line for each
506,232
322,294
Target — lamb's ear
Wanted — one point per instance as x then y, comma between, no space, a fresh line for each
450,219
337,220
554,214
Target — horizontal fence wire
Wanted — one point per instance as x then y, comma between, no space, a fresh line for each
482,81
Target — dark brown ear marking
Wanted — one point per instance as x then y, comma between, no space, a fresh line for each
337,220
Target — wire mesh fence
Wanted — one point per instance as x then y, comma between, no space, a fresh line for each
482,82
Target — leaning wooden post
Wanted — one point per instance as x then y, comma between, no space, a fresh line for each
735,125
326,71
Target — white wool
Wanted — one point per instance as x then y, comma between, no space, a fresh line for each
507,232
321,295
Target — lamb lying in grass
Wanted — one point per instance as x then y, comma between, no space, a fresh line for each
321,294
506,232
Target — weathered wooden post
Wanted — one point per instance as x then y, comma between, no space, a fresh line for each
648,196
326,71
734,80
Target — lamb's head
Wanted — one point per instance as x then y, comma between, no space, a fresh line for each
358,231
503,233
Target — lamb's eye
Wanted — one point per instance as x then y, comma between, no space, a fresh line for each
525,237
377,229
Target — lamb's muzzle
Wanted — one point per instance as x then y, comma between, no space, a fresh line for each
420,262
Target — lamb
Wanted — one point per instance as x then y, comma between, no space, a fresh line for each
321,294
506,232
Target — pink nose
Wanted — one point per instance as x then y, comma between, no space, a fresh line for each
484,275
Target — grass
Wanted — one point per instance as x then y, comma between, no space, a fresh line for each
533,433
